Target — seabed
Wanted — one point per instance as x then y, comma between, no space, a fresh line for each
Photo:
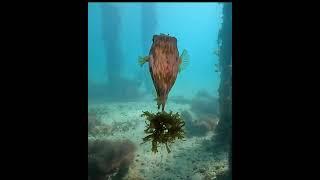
190,159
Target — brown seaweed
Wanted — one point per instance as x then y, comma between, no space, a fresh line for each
163,128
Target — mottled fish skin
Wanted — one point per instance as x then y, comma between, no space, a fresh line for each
163,65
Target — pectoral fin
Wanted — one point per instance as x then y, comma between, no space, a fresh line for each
183,60
143,60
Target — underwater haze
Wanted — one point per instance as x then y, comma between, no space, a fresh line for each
122,96
195,25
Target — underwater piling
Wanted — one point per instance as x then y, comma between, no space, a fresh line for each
119,87
111,21
149,23
225,62
148,29
224,127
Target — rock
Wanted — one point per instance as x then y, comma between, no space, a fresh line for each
197,176
202,170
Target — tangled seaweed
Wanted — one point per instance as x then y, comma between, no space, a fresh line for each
163,128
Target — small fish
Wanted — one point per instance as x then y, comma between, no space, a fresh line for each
164,65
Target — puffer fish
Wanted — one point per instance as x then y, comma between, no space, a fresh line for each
164,65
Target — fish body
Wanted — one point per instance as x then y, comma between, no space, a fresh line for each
164,65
